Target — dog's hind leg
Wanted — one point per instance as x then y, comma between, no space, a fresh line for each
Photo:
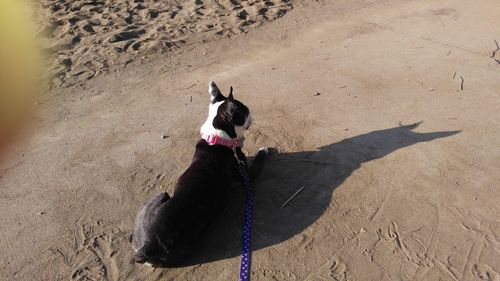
142,254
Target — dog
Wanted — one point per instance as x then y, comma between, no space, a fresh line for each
169,230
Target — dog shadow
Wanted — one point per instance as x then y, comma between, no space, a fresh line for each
321,172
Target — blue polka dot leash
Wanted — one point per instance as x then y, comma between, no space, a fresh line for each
246,250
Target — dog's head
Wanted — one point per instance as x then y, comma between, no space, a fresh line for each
227,117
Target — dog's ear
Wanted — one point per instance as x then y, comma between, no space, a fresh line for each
215,93
230,108
230,97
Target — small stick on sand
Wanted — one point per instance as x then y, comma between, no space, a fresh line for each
462,83
454,75
190,86
293,196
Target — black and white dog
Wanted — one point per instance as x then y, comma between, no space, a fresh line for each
169,229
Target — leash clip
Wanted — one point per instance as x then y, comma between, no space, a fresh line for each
237,157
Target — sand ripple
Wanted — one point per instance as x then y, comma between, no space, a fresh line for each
88,37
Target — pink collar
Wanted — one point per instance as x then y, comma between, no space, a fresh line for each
214,139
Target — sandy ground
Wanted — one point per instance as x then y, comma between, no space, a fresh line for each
333,86
90,37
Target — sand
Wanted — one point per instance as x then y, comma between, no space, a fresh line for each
366,108
89,37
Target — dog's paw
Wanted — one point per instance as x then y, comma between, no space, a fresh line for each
264,150
261,154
